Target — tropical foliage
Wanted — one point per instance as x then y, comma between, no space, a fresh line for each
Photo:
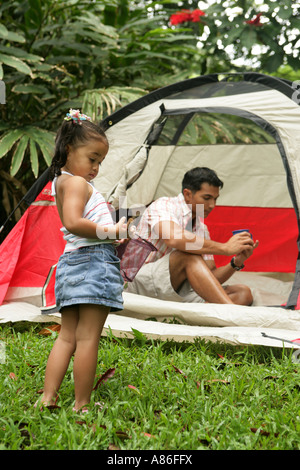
98,56
262,34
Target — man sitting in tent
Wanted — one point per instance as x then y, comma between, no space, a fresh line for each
183,267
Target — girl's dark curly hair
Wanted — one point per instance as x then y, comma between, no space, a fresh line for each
72,133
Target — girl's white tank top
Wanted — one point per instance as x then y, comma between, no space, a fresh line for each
96,210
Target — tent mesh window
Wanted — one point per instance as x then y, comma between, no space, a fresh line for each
212,129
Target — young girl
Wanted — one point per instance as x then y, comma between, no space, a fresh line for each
88,282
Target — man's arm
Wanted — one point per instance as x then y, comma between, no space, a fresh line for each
177,238
223,273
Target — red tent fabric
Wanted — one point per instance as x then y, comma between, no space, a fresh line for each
276,229
30,249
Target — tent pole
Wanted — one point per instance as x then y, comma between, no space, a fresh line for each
31,194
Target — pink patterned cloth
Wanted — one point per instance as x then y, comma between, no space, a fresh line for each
133,255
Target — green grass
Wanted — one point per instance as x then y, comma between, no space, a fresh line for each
187,396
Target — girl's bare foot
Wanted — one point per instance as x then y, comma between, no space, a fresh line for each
42,402
82,409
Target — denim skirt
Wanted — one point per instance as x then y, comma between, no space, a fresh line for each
89,275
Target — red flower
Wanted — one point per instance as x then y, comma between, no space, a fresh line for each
185,16
180,17
195,15
255,21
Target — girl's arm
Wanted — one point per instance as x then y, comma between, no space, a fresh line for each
73,194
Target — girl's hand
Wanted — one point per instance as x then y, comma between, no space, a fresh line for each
131,228
125,230
119,231
121,228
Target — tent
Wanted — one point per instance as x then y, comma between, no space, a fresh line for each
246,127
30,250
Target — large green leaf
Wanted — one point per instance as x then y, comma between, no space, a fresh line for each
46,151
273,62
21,53
42,139
96,25
248,37
100,102
15,63
38,132
18,155
34,158
95,36
65,44
232,35
134,23
10,36
285,12
153,54
8,140
28,88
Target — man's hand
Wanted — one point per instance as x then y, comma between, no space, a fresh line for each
240,258
240,243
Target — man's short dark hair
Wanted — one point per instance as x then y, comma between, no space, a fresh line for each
193,179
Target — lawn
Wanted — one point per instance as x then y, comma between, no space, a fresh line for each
152,395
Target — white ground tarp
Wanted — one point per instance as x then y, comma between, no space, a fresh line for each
259,324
